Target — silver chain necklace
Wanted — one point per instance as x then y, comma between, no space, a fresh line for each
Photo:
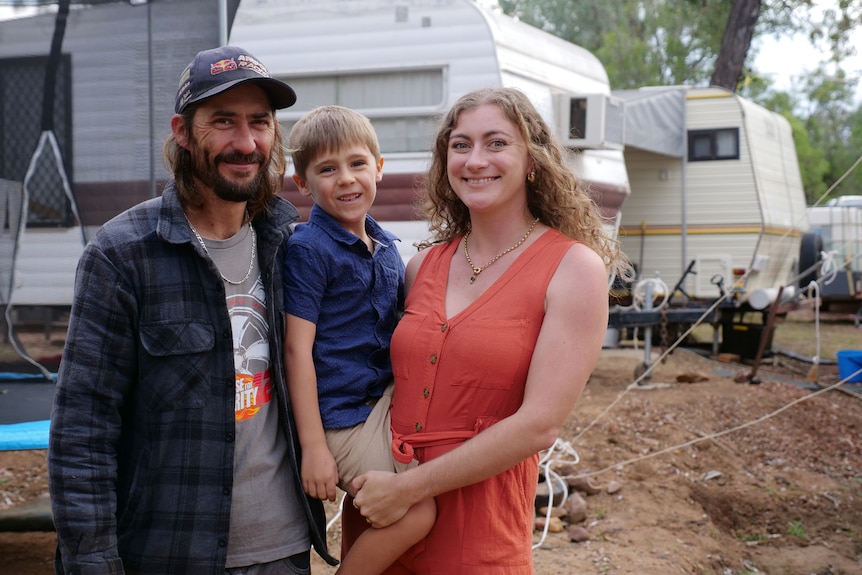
250,263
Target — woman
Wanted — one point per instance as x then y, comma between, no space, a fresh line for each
505,317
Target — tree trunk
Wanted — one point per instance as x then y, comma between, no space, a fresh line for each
735,43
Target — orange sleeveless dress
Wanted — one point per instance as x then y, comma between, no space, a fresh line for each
454,377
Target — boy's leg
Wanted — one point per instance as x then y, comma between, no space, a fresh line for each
377,551
364,447
373,550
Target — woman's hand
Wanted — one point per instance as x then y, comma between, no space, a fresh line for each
378,498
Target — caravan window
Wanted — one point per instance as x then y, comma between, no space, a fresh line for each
402,105
719,144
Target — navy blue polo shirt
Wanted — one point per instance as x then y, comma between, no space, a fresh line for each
354,298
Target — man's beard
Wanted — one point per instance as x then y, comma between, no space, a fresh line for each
206,170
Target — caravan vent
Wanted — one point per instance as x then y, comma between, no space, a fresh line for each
591,121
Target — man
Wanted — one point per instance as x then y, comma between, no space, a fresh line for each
172,447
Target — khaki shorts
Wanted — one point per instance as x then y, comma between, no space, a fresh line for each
365,447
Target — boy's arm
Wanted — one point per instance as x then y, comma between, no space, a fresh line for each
319,472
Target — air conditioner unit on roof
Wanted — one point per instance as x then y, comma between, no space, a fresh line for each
591,121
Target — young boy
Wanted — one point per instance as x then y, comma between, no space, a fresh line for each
343,290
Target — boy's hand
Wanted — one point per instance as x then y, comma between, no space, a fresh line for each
319,473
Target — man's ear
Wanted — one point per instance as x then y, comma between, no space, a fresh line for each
301,184
180,131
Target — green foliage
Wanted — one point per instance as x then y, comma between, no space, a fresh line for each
754,538
796,529
813,164
640,43
834,128
676,42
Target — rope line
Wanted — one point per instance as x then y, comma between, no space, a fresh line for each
718,434
545,461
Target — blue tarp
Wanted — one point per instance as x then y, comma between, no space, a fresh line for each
19,377
29,435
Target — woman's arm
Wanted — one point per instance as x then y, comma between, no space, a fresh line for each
567,349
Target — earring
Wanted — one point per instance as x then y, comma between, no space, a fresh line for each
531,177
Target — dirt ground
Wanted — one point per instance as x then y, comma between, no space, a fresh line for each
709,477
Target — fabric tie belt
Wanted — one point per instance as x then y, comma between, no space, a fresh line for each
404,445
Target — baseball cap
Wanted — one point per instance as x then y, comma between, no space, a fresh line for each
219,69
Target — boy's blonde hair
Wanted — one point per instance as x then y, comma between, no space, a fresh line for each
327,129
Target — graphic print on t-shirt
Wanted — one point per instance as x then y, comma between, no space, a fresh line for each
251,351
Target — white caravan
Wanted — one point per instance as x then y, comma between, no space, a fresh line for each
114,88
404,63
838,229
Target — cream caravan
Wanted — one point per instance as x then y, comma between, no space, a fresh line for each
716,186
717,211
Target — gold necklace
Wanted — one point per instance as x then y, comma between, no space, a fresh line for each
250,263
479,269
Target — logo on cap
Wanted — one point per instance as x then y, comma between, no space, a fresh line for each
222,66
248,63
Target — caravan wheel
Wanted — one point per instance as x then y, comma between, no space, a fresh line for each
809,258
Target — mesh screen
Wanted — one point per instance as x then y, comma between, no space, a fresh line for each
21,87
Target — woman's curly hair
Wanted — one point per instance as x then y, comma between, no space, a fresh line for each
555,196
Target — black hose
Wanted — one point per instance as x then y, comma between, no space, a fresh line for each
804,358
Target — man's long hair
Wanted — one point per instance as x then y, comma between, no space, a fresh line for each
180,163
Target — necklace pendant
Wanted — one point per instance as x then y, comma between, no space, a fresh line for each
472,279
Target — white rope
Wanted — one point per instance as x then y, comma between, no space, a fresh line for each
337,515
814,293
546,459
828,267
646,286
716,435
639,293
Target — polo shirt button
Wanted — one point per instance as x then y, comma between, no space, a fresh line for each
226,334
433,358
418,426
222,542
229,436
226,491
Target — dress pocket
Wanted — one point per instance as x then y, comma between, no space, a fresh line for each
498,360
499,520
